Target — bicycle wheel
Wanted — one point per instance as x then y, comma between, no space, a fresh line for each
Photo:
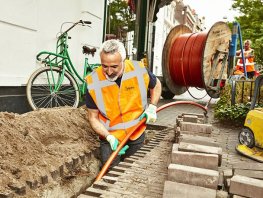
41,91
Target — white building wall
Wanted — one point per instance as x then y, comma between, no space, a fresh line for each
129,44
30,26
164,23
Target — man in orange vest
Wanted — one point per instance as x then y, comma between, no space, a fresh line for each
117,100
249,58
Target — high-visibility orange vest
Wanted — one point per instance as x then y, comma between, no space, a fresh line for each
120,107
239,70
249,62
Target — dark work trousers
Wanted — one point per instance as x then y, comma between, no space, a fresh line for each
250,74
106,151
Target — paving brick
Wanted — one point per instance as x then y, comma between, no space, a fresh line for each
44,179
190,118
139,154
196,133
69,165
109,179
221,194
248,166
220,185
177,134
180,190
76,162
194,114
19,189
203,128
88,154
83,158
61,170
178,121
84,196
6,195
195,139
228,173
33,184
129,160
145,149
113,174
98,193
54,174
175,147
249,173
183,146
126,165
236,196
193,176
114,188
227,184
148,147
245,186
201,160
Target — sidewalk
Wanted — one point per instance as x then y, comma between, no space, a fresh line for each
226,136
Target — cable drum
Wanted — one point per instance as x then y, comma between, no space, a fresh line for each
196,59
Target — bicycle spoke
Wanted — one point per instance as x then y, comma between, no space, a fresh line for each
47,92
42,88
40,101
66,101
65,92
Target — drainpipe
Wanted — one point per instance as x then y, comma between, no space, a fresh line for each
104,20
140,28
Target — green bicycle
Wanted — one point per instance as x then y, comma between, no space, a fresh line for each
56,84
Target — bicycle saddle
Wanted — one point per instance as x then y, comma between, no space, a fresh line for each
87,50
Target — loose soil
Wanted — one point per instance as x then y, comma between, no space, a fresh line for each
34,143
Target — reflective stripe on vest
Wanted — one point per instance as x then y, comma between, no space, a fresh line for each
97,86
248,61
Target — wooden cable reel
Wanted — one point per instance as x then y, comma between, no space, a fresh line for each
196,59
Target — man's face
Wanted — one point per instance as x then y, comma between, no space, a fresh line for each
112,65
247,46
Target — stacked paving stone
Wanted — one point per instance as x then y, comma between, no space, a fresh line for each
193,171
140,175
245,180
194,168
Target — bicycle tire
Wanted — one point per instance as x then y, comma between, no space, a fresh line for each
39,94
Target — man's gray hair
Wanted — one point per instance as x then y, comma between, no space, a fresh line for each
112,46
248,41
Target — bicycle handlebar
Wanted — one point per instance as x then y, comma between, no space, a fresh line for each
85,22
78,22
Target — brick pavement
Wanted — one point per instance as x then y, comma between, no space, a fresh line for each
226,136
141,175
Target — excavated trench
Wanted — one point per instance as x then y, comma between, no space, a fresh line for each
49,153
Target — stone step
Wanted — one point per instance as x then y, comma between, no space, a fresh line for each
195,139
249,173
180,190
200,160
246,186
193,176
183,146
202,128
190,118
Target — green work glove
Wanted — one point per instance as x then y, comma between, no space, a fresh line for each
114,144
123,150
113,141
150,114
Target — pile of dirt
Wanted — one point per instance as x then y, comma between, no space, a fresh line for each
34,143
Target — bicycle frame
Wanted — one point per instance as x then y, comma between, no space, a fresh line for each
62,59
